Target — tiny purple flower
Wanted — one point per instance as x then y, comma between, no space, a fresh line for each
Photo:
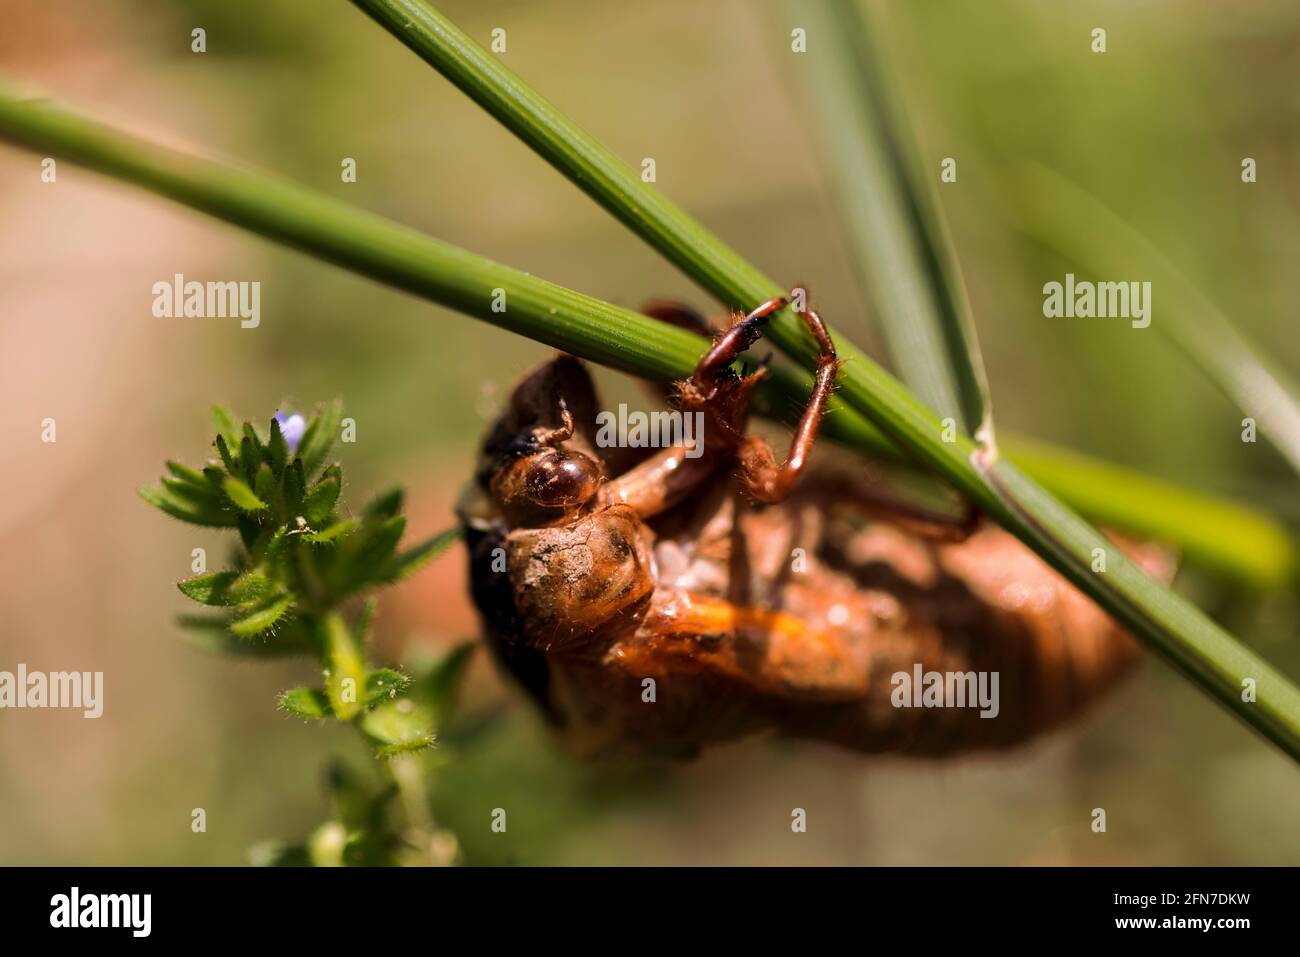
292,428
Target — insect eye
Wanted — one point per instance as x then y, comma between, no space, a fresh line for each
559,478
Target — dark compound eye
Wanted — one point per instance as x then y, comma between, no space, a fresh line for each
560,478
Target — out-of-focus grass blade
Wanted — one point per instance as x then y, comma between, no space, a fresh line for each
1224,536
901,246
1067,219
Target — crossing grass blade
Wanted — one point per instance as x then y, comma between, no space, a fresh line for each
1188,318
1246,545
890,213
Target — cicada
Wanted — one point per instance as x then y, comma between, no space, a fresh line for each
658,601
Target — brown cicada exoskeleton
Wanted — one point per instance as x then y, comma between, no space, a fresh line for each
659,602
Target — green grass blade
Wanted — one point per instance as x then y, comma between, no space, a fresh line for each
902,250
1198,647
1187,316
1211,533
383,250
619,189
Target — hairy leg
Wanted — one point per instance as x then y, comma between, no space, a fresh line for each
762,477
660,482
667,477
877,501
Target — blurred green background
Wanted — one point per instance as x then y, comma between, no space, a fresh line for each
1156,128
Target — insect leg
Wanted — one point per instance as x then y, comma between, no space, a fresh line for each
659,482
877,501
683,317
667,477
562,433
727,349
762,477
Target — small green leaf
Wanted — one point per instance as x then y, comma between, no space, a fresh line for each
249,458
416,741
262,618
293,492
251,587
321,497
228,460
187,474
345,670
227,588
397,727
269,549
187,510
264,485
200,495
210,589
413,559
375,543
254,440
335,531
306,703
242,495
278,448
295,485
226,425
279,854
384,684
211,633
386,505
319,437
216,479
361,627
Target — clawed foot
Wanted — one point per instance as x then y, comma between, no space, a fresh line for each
718,390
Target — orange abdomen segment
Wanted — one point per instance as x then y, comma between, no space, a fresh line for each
1014,648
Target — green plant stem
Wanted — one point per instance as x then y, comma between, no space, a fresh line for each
1200,648
1233,540
889,209
1057,213
587,327
1125,499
